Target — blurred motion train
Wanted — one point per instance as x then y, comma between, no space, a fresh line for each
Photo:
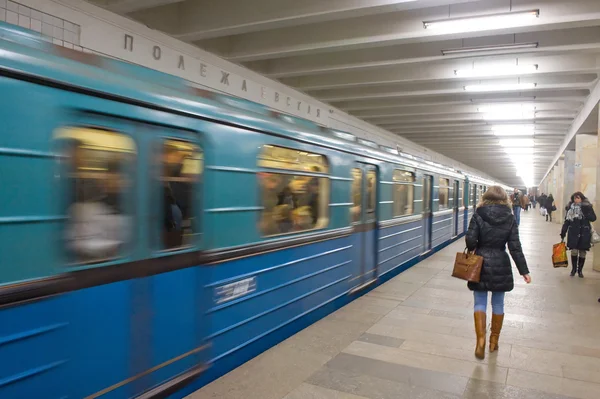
154,236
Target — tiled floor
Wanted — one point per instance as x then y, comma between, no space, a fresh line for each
413,337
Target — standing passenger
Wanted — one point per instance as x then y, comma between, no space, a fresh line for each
542,200
525,202
549,205
490,229
577,222
516,205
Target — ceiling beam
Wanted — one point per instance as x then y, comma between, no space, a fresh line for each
577,96
200,20
130,6
550,43
457,109
396,91
547,66
588,108
397,28
560,118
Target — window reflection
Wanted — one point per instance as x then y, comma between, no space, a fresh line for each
444,193
403,194
297,201
371,191
355,211
180,172
98,166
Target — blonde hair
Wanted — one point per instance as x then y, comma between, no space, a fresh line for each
495,195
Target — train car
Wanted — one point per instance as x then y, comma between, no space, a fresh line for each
155,236
474,188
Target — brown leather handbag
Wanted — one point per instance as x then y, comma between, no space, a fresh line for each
467,266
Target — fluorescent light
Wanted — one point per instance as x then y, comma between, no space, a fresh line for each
499,116
517,143
525,174
493,48
483,22
506,108
511,130
496,70
520,161
514,133
500,87
518,151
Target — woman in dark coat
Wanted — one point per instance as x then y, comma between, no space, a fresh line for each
577,223
490,229
549,205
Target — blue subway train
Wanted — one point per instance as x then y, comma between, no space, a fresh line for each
154,236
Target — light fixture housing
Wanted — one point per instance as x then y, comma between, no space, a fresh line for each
498,48
508,116
496,70
513,130
519,143
483,22
511,151
500,87
506,108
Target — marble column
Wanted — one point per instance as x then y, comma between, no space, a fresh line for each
586,164
569,176
560,191
551,186
596,248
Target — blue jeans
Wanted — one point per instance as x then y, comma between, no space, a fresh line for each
517,212
481,301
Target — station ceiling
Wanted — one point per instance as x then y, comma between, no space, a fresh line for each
495,84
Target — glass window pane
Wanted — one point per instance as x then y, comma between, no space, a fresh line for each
293,202
371,191
290,159
356,209
98,165
403,194
181,170
444,193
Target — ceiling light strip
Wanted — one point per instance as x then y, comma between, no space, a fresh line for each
496,70
499,47
489,21
500,87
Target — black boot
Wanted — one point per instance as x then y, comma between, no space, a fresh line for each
573,265
580,266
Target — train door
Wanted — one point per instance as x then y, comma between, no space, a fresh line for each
365,225
466,193
427,211
456,207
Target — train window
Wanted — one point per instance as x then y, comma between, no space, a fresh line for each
296,198
180,171
356,209
371,191
403,194
444,191
98,165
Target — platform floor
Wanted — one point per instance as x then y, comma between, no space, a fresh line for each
413,337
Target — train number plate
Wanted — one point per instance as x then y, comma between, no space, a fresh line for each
235,290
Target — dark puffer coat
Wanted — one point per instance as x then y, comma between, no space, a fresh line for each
580,230
490,229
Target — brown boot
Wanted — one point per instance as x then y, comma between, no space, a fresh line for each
497,320
480,331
